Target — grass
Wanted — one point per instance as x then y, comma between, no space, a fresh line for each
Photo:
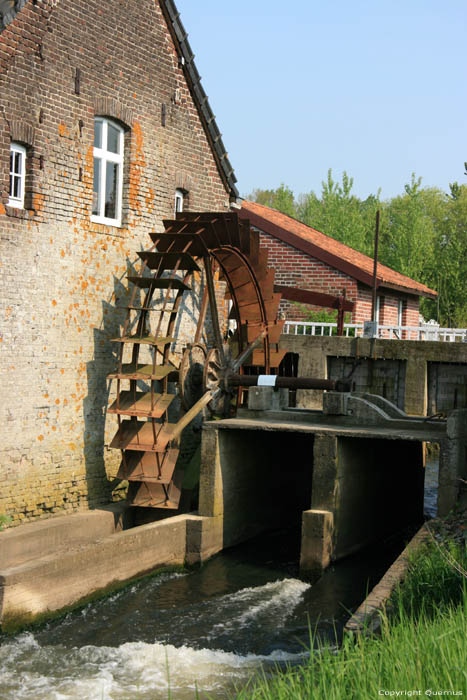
4,521
422,645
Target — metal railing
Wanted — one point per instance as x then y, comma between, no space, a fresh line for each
392,332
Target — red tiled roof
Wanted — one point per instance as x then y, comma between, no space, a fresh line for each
328,250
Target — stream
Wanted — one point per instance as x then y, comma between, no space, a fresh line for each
244,612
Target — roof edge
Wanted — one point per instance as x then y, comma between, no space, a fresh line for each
193,78
306,247
325,256
409,290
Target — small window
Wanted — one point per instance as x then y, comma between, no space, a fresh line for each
400,312
179,197
379,309
17,175
108,172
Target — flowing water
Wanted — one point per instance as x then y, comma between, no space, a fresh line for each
211,629
245,611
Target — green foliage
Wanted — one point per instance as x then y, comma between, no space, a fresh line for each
423,233
4,520
421,647
281,199
433,583
323,316
424,654
340,214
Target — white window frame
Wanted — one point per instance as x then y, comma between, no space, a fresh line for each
400,312
179,200
105,157
18,202
379,309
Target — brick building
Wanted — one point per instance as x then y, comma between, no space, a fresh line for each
104,130
308,259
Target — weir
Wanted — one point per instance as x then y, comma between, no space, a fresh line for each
353,473
359,463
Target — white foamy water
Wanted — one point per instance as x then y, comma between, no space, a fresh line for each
145,671
249,605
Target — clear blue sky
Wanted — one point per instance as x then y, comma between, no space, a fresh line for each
374,87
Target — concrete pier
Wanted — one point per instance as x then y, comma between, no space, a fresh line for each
350,486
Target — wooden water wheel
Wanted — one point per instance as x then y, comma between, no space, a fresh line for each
202,246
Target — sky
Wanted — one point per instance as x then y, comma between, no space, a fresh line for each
376,88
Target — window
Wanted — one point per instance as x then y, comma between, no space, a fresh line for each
179,196
108,172
400,312
17,175
379,309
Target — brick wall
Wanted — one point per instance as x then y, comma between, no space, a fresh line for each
389,305
62,277
296,269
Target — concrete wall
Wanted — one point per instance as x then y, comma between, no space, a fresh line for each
349,491
447,386
453,463
253,480
363,489
62,277
408,362
54,564
382,377
60,579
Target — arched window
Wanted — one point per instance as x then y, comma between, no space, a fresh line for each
108,172
17,175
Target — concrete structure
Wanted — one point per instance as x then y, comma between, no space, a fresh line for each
54,564
66,69
352,474
359,465
420,377
308,259
367,619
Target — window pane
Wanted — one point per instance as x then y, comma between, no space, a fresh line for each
96,200
11,162
16,187
18,163
11,186
97,134
111,182
113,139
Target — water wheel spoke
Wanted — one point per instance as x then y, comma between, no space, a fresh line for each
213,308
246,354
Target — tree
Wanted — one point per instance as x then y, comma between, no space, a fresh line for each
281,199
451,262
340,214
423,233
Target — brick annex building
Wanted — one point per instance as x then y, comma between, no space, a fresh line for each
306,258
104,129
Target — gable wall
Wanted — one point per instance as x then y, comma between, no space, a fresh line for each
297,269
62,277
